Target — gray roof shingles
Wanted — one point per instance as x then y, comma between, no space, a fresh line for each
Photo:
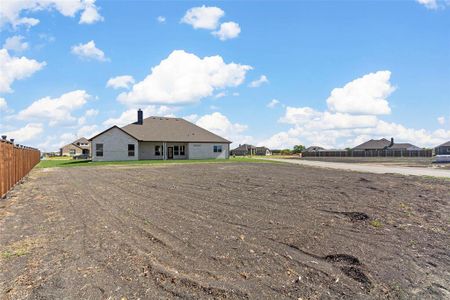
157,129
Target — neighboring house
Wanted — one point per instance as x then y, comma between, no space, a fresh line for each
158,138
264,151
384,144
443,149
80,146
246,149
313,149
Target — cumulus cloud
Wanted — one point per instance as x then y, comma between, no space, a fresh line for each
3,104
161,19
258,82
90,14
273,103
89,51
12,12
130,115
342,126
227,30
434,4
364,95
203,17
441,120
120,82
184,78
15,68
222,126
15,43
26,133
55,110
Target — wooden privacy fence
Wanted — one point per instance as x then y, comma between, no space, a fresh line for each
16,161
370,153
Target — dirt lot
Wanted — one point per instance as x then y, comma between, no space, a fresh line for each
423,162
258,231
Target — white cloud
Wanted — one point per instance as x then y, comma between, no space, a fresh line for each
130,115
15,43
258,82
91,112
90,14
220,95
345,127
227,30
55,110
365,95
12,12
441,120
273,103
191,118
120,82
3,104
203,17
88,131
430,4
26,133
222,126
89,51
14,68
184,78
161,19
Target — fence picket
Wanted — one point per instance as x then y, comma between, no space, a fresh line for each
15,163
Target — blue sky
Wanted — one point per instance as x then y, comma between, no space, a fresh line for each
275,73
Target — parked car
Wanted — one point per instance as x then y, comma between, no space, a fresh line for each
81,156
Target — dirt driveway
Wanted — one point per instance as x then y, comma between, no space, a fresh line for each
258,231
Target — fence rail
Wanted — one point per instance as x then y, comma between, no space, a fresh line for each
370,153
16,161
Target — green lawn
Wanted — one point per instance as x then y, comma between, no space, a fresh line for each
52,163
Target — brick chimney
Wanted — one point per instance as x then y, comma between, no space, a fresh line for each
392,142
140,117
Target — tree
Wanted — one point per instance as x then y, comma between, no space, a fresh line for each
298,149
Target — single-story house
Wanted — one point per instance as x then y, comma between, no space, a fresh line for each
264,151
80,146
158,138
384,144
443,149
246,149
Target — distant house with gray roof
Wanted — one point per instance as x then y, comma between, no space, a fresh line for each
158,138
384,144
443,149
80,146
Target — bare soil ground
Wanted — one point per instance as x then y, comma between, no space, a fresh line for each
258,231
425,162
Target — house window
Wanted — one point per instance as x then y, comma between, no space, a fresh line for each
217,148
72,152
157,150
99,150
176,150
181,150
130,149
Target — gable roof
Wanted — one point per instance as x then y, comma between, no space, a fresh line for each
313,149
373,144
244,147
446,144
106,130
157,129
407,146
74,143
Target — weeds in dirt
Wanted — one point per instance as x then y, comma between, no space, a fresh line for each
376,223
17,253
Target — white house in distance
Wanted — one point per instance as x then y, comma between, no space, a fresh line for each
158,138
